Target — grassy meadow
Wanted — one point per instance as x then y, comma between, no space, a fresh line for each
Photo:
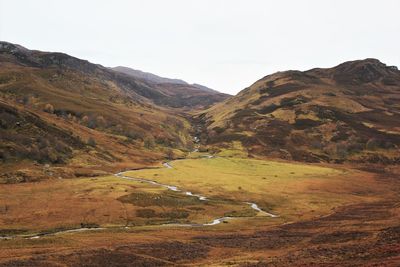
135,213
287,189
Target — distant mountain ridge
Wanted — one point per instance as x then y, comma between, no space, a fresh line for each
181,94
150,77
147,76
144,89
62,110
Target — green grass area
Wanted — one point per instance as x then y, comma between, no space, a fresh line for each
107,201
236,150
289,189
233,174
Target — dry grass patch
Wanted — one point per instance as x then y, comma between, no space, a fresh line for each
289,189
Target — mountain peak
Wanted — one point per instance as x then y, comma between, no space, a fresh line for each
364,71
6,47
297,115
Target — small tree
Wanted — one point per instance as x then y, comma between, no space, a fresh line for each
372,144
149,142
85,119
91,142
49,108
342,150
101,122
170,154
26,100
43,142
92,124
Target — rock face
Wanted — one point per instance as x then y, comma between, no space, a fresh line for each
347,113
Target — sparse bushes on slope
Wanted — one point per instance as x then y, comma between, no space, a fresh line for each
26,136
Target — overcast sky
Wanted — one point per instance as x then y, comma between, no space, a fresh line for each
224,44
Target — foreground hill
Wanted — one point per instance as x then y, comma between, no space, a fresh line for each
350,112
180,93
57,109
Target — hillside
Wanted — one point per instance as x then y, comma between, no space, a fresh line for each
347,113
101,168
180,93
147,76
59,110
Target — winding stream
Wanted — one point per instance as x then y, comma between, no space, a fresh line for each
168,165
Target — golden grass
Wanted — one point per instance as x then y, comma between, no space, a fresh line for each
103,201
294,191
288,189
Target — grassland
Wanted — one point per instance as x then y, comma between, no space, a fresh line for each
107,201
288,189
319,206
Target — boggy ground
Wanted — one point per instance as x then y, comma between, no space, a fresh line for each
360,227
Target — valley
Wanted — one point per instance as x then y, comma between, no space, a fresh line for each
118,167
123,214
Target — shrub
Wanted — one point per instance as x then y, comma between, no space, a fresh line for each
89,225
92,123
4,155
85,119
219,130
175,123
34,153
372,144
133,135
170,154
91,142
61,147
146,213
175,214
149,142
26,100
101,122
43,143
342,150
49,108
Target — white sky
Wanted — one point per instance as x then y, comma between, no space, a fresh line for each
224,44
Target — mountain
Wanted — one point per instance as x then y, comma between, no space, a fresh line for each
61,116
180,93
147,76
62,111
350,112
